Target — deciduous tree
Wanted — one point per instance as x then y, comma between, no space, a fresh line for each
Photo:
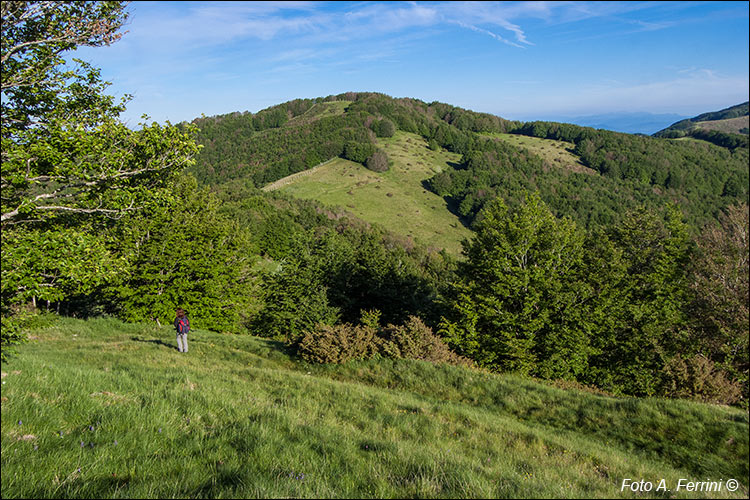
67,159
518,306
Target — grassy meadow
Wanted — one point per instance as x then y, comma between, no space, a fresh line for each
322,110
728,125
395,199
103,409
557,154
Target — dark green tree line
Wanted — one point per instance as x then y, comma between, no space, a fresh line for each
614,309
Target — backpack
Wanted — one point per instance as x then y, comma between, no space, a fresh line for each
183,325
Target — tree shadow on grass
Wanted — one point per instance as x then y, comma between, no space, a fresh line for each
154,341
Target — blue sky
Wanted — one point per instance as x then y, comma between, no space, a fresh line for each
518,60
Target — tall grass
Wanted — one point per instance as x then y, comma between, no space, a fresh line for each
103,409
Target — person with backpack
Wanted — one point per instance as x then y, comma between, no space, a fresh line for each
182,325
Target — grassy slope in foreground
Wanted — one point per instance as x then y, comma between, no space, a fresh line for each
104,409
394,199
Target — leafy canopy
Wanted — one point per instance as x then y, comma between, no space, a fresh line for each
68,163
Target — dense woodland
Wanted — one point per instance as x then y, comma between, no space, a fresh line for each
631,277
634,170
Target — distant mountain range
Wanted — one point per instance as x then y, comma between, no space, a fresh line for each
729,120
629,123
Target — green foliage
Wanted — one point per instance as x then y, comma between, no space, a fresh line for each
51,264
295,302
36,83
519,304
70,168
335,275
720,294
358,152
64,149
634,171
242,145
613,309
12,334
723,139
383,128
185,254
370,318
649,316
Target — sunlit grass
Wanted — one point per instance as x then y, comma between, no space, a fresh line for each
103,409
396,199
557,154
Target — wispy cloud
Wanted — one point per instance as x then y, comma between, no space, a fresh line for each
488,32
260,53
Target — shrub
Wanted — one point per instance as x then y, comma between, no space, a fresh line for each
415,340
383,128
358,152
346,342
338,344
698,378
378,162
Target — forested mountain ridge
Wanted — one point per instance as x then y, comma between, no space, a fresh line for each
624,269
632,170
728,127
736,111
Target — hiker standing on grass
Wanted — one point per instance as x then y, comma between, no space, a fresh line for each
182,325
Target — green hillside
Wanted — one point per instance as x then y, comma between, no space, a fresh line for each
493,157
103,409
703,120
559,154
738,125
395,199
727,128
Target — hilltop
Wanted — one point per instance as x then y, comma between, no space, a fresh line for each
105,409
628,170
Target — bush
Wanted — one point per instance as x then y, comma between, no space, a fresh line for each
415,340
698,378
383,128
358,152
338,344
378,162
346,342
